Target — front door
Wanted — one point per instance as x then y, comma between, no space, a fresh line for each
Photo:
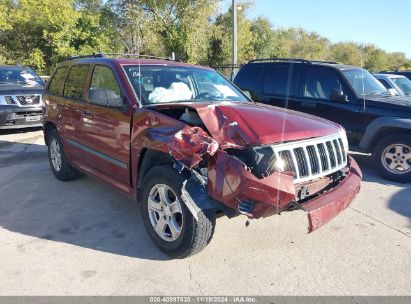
314,98
106,126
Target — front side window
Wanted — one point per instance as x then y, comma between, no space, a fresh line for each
165,84
364,83
19,75
75,82
319,83
55,82
104,88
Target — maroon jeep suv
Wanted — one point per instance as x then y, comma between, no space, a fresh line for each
188,145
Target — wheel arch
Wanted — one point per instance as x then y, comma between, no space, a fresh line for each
49,126
150,158
382,127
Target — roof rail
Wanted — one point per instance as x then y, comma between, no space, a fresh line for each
94,55
321,61
279,59
105,55
291,59
136,55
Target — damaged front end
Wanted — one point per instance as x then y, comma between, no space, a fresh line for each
236,171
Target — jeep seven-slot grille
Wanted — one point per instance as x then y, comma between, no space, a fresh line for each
313,158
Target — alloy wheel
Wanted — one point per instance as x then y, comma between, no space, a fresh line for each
55,154
396,158
165,212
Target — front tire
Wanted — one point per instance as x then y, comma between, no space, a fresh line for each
59,164
392,157
169,223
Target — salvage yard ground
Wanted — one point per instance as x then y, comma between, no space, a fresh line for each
85,238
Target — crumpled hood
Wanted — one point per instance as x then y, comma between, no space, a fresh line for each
235,125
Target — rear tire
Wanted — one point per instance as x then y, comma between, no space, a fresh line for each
169,223
59,164
392,157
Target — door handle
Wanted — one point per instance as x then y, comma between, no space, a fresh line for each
88,114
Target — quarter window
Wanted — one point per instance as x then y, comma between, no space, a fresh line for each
76,79
54,86
320,82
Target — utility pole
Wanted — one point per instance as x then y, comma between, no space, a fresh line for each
234,34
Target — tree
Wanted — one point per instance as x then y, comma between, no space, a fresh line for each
347,53
43,32
264,38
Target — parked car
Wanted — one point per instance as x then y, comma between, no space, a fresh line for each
375,121
187,144
398,84
21,92
398,72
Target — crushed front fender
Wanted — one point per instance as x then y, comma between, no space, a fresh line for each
230,182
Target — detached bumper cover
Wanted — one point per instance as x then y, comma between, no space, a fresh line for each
323,208
13,117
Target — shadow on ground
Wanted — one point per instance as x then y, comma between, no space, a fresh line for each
401,201
84,212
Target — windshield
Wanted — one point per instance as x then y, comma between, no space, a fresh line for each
364,83
13,75
404,84
163,84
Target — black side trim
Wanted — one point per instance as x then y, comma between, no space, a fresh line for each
98,154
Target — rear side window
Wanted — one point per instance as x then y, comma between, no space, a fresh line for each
281,80
55,82
76,79
320,82
249,78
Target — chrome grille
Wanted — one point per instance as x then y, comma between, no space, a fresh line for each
312,158
28,100
9,100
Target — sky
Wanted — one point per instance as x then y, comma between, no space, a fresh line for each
386,24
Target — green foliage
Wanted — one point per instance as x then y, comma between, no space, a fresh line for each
40,33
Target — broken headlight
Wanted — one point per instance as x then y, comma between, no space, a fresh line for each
261,160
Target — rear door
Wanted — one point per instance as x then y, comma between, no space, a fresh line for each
106,128
279,85
72,110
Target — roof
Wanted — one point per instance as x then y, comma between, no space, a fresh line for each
128,61
303,61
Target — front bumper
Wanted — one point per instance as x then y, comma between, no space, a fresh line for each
326,206
230,183
14,117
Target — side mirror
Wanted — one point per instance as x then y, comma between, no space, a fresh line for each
338,95
104,97
247,93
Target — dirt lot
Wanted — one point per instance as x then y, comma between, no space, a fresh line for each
84,238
